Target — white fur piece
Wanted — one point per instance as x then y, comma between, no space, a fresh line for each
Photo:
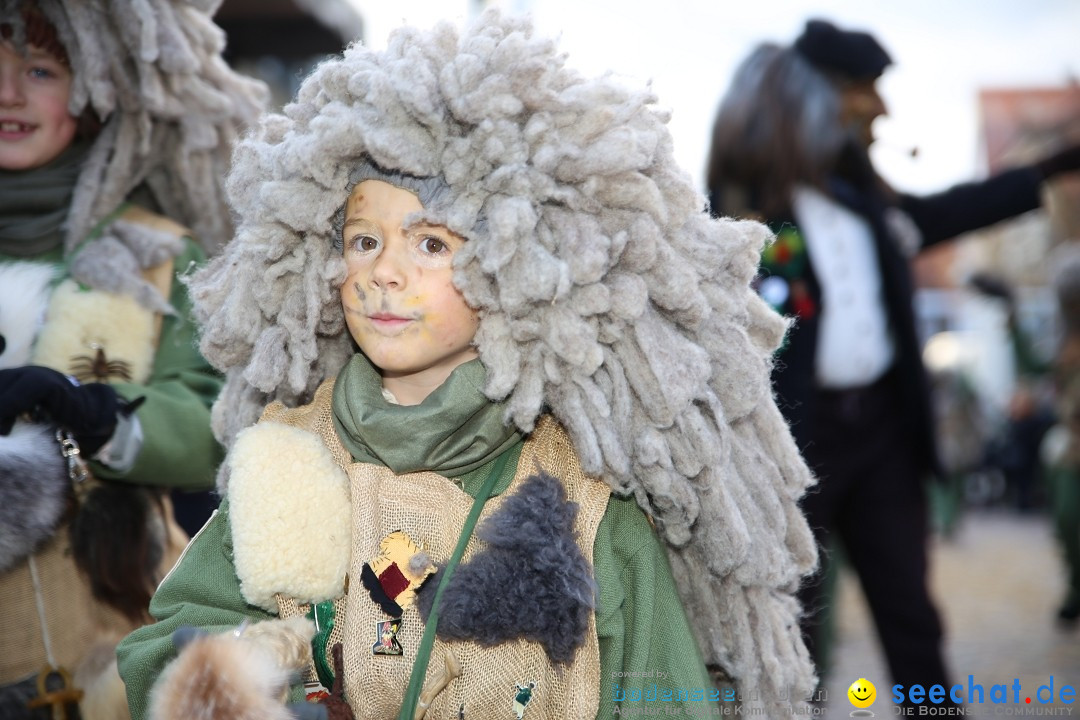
24,295
77,319
225,677
289,510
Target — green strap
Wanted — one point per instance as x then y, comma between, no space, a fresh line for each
423,653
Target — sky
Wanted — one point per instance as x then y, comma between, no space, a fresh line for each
944,51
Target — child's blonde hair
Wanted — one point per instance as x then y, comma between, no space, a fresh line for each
607,297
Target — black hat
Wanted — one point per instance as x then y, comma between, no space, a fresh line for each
853,55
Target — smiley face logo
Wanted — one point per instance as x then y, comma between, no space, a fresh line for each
862,693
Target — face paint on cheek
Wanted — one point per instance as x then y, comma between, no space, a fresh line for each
359,292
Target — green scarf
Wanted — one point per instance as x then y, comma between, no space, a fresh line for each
34,203
454,431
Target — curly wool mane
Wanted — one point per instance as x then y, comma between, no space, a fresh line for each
151,71
607,297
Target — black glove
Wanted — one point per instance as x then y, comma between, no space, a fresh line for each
87,411
1066,160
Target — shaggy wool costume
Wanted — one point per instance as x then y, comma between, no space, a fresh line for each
607,297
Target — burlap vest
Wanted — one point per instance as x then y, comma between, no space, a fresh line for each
74,620
432,510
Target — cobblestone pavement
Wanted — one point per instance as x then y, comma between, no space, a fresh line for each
997,582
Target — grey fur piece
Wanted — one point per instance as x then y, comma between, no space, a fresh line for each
531,581
115,262
34,490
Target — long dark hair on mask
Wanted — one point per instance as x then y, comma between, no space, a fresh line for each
778,125
118,540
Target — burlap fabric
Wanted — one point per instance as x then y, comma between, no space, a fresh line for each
74,619
432,510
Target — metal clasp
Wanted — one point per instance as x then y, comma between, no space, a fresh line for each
69,448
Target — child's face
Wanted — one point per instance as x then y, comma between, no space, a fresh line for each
35,126
400,304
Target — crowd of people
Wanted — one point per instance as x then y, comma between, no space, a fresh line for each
503,416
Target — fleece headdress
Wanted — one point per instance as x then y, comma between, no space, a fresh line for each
170,110
607,295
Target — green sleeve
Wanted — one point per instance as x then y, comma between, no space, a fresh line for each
202,591
647,650
179,449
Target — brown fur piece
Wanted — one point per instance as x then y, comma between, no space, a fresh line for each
225,677
337,707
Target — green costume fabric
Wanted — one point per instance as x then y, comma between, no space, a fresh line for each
641,624
179,449
454,431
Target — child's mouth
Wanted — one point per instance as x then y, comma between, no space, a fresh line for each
388,321
15,128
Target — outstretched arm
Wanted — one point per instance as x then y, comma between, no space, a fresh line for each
975,205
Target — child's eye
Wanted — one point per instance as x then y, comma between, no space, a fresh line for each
433,245
41,73
364,243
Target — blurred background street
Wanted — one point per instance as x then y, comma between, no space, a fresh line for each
998,583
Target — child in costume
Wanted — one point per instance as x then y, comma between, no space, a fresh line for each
558,349
116,120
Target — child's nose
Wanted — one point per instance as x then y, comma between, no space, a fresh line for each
11,90
387,272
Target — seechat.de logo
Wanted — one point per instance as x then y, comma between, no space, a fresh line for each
862,694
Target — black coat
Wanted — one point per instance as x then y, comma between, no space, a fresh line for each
939,217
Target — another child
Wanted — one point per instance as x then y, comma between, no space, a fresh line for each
558,348
116,121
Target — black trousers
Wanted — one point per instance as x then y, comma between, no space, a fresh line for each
870,496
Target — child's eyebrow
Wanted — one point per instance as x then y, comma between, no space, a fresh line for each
422,226
358,221
37,54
